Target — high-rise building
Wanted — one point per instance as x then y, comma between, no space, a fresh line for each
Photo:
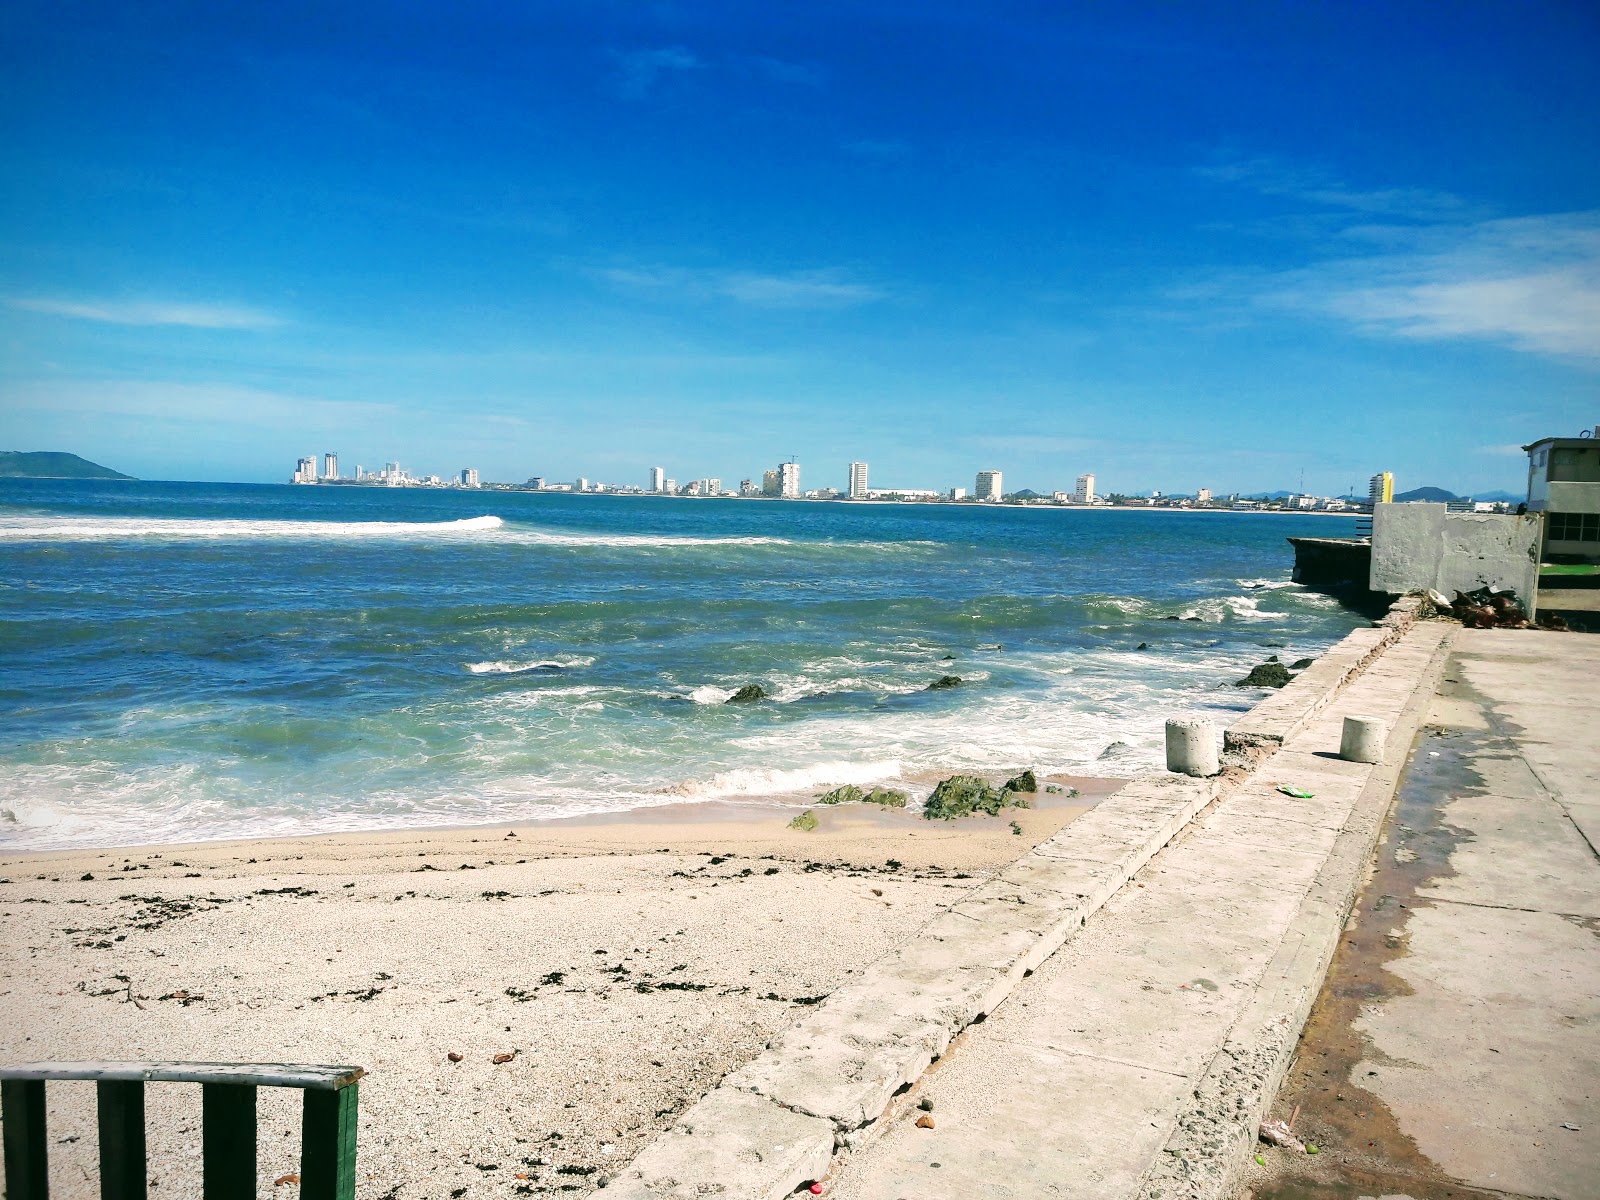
958,493
1085,490
789,480
711,487
305,470
1202,496
330,465
858,481
1380,488
580,484
988,486
658,479
771,484
670,487
747,487
469,477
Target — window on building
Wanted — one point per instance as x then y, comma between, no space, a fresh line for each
1574,527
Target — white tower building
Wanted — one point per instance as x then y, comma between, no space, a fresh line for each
469,477
989,486
330,465
858,481
789,480
1085,492
658,479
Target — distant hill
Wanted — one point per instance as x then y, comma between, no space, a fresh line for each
52,464
1436,495
1508,497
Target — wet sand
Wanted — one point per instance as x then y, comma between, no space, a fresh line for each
626,963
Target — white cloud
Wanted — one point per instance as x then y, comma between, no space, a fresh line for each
638,71
1530,282
149,312
794,289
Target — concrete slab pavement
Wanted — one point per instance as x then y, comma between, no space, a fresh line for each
1455,1049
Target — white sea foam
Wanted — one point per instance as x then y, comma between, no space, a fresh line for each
710,693
516,668
760,781
116,529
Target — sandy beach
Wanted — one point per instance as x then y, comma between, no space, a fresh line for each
626,964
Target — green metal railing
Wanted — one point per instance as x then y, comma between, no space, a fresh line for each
228,1125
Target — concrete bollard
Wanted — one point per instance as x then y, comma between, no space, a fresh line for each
1362,740
1192,748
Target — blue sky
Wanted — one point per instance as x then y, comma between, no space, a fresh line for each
1177,245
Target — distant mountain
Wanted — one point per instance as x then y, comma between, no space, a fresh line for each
1508,497
52,464
1436,495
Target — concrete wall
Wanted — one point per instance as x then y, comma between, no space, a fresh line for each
1426,546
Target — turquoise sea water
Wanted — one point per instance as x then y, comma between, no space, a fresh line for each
184,661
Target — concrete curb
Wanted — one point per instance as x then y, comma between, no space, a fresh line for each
823,1084
1265,728
1210,1141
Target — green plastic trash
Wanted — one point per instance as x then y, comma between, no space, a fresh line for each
1297,793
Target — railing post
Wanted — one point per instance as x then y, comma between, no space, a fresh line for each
328,1144
22,1108
228,1130
122,1153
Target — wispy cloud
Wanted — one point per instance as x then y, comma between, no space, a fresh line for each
778,70
1320,188
190,404
149,312
829,288
1530,282
638,71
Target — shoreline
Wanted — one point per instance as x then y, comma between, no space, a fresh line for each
621,831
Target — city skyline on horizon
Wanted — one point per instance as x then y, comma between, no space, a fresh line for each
1147,238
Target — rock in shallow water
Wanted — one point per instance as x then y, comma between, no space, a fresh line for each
748,694
944,681
1267,674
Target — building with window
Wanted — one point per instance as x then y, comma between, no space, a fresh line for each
658,479
469,477
330,465
771,484
305,470
1564,485
1084,494
858,481
1380,488
989,486
789,480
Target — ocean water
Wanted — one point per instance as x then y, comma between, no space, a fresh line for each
185,661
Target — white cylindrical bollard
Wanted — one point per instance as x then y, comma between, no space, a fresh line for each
1192,748
1362,740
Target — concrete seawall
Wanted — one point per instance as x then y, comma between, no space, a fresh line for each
824,1087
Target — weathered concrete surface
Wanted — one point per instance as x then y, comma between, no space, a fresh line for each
1423,545
1458,1036
1137,1060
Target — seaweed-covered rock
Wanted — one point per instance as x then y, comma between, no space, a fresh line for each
886,797
1267,674
1114,749
805,822
1025,782
963,795
848,794
1301,664
944,681
851,794
748,694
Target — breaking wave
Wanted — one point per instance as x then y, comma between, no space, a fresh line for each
758,781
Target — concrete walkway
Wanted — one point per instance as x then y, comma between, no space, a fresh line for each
1138,1059
1456,1047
